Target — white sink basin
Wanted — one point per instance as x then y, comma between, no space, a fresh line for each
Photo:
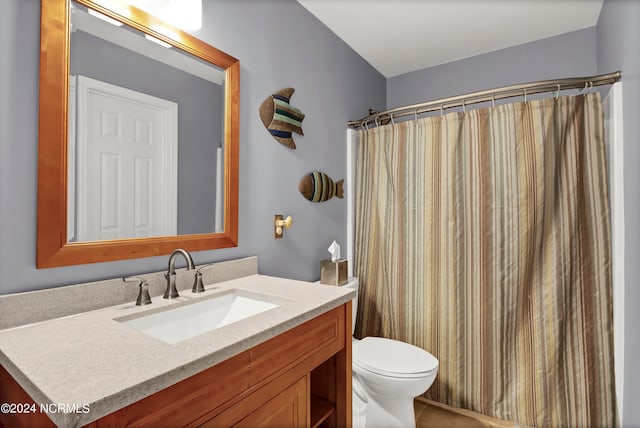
184,322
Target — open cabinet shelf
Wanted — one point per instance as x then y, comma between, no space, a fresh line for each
321,409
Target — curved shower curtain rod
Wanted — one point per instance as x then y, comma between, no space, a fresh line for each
464,100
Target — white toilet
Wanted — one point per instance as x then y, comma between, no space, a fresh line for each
387,376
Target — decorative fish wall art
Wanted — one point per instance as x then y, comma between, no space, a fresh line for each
319,187
280,118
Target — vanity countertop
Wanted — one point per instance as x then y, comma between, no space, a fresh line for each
93,360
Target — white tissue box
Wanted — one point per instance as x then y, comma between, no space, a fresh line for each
333,273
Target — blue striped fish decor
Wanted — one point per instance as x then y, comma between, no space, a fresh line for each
319,187
280,118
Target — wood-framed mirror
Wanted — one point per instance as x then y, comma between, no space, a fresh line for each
58,182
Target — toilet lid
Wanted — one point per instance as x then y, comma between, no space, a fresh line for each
392,358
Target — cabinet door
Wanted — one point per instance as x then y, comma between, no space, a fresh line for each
288,408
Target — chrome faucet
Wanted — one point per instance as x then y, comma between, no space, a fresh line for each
171,292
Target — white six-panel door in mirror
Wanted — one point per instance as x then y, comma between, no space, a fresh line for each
127,163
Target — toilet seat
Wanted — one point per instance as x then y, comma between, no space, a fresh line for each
392,358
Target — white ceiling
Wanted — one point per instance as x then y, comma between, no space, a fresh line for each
399,36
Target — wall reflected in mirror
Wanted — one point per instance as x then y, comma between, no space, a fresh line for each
144,156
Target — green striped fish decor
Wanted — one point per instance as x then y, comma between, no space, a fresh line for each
280,118
319,187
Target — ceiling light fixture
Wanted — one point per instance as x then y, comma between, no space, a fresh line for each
158,41
104,17
184,14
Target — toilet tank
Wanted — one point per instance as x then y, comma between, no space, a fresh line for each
354,283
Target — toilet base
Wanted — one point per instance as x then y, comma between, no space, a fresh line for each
369,414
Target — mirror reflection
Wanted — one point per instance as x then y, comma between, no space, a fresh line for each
125,226
144,157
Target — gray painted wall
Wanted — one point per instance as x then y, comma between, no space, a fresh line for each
618,35
279,44
566,55
199,117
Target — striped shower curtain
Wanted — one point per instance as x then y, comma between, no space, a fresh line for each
483,237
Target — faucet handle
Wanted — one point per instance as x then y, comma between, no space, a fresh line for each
205,266
143,294
198,286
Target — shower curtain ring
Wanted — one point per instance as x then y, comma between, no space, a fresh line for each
441,110
493,100
525,96
415,113
376,120
392,121
558,92
464,106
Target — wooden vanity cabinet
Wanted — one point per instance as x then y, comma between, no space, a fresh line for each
300,378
